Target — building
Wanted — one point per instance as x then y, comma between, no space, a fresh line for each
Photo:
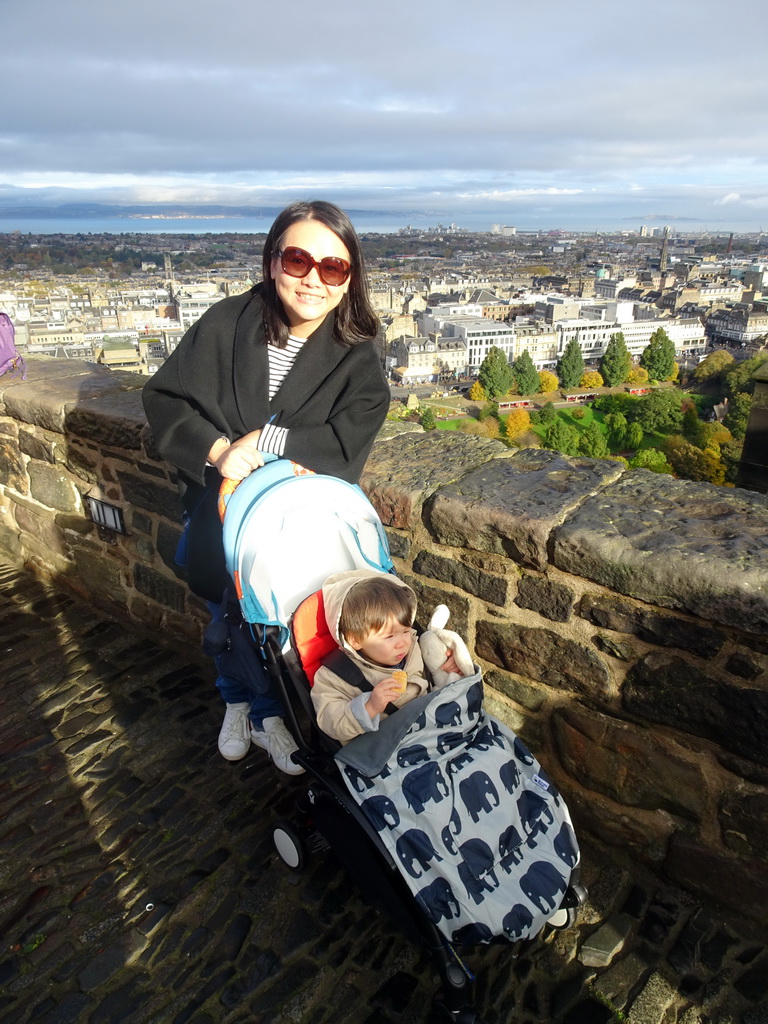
428,358
738,325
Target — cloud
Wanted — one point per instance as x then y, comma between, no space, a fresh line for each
732,197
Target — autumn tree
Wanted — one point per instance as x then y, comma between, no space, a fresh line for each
496,375
517,423
692,463
477,392
616,361
571,366
658,356
714,365
547,382
638,376
591,379
526,374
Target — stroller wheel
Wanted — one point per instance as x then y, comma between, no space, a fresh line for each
289,845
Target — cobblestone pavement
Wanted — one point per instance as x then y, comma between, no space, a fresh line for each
138,881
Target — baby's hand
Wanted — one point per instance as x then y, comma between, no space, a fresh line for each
450,664
384,692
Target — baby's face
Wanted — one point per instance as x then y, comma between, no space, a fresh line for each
388,646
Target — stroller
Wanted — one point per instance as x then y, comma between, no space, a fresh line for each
366,800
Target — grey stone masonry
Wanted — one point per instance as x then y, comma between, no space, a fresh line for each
620,617
139,883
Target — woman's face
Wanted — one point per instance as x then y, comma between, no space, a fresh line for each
306,300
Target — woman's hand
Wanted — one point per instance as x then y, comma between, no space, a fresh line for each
384,692
238,459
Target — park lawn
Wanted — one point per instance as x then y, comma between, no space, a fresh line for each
566,414
448,424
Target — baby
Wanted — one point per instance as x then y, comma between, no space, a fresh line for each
370,615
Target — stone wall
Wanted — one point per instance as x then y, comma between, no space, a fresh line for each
621,618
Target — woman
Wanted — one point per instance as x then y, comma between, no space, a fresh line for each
291,367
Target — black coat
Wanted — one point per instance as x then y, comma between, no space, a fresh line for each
333,401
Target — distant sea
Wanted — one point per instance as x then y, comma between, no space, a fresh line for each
379,223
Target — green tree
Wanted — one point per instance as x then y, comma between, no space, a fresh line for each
651,458
526,374
496,375
560,437
737,417
571,366
592,442
616,362
740,377
661,410
658,356
617,425
635,435
548,413
427,419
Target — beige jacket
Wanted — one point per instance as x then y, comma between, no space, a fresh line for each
340,708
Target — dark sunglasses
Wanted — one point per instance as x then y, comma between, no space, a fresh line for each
297,262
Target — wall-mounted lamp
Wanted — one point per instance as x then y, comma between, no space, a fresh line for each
106,515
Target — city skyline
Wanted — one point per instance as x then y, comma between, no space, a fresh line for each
593,117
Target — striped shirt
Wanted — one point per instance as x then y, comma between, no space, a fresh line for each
273,438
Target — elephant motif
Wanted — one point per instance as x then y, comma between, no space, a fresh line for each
542,884
457,763
509,775
522,753
532,809
477,869
474,700
510,853
472,934
449,740
565,845
423,784
414,754
359,782
439,901
479,794
381,812
485,738
448,714
415,851
517,922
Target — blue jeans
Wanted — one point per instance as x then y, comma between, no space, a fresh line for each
234,691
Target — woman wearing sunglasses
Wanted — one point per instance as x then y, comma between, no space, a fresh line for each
291,367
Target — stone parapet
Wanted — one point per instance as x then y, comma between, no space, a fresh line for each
620,617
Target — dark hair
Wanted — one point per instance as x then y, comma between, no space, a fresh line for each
355,319
371,603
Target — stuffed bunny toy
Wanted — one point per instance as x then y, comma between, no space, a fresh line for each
436,645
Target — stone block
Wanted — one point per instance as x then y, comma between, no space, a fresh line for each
399,544
651,626
619,649
630,765
493,589
745,665
522,692
100,574
665,688
159,588
543,655
510,506
48,403
43,528
552,600
428,597
115,419
150,496
403,472
737,883
52,486
674,543
744,822
651,1006
13,472
600,948
621,982
81,462
167,543
35,447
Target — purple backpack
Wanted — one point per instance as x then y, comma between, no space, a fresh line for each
10,357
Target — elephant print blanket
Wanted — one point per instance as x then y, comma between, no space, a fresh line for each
480,834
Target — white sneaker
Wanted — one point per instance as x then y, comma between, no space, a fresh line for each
279,744
234,741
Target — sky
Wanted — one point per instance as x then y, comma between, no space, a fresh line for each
575,115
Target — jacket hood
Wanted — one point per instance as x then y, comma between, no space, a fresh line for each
335,591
